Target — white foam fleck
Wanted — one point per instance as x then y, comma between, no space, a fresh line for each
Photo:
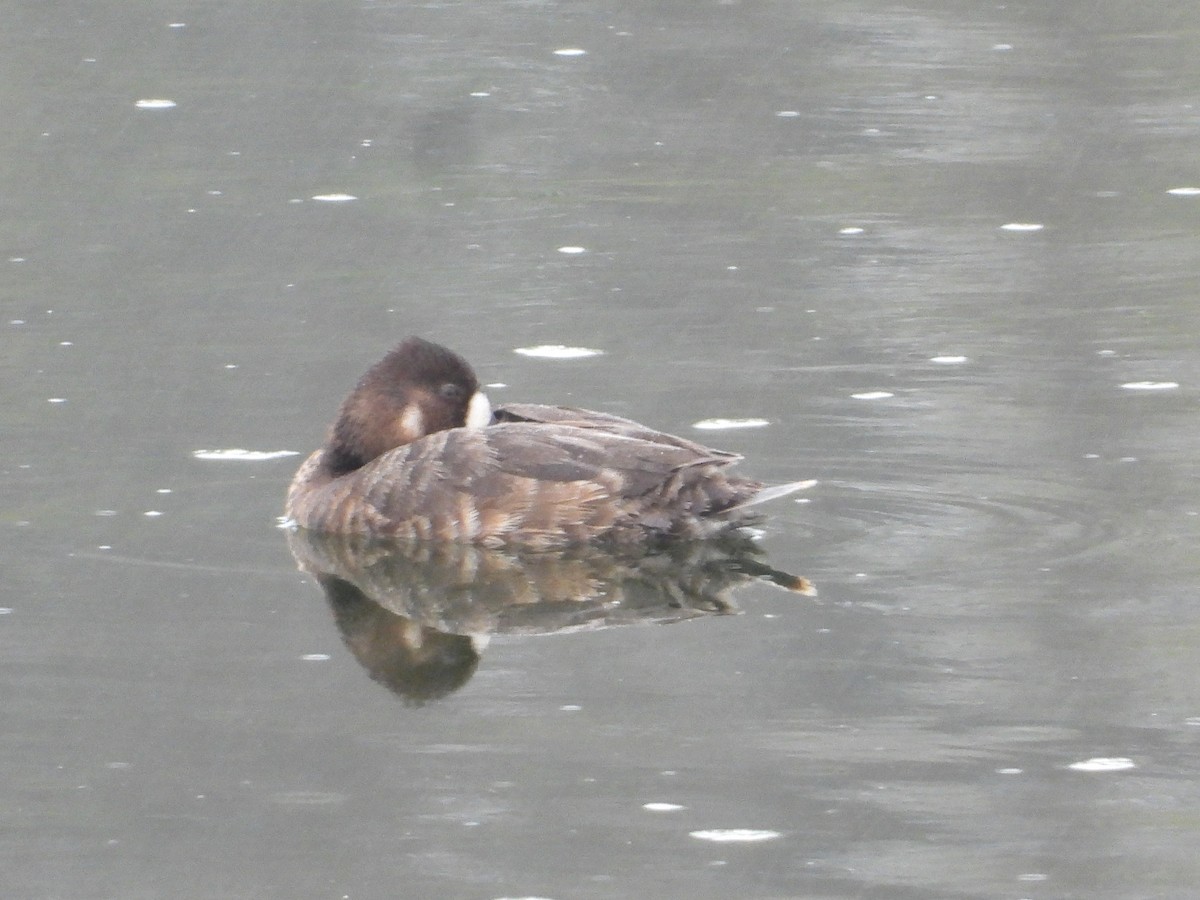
571,51
155,103
735,835
481,93
570,707
152,513
787,114
1150,385
237,453
726,424
662,807
315,657
334,198
178,25
1104,764
572,251
1185,192
1002,46
948,360
1010,770
1022,226
557,351
850,229
56,399
872,395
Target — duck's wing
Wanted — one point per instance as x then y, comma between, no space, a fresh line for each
545,485
597,421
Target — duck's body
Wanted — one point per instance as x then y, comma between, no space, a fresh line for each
417,454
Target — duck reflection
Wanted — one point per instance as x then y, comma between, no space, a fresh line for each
417,616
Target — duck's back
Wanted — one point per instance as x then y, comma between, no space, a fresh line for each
541,477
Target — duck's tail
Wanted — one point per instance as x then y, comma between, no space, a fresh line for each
774,492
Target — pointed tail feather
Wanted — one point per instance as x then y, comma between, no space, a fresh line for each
774,492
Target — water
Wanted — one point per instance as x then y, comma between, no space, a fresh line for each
817,216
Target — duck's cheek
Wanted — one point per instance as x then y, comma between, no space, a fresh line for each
479,411
412,422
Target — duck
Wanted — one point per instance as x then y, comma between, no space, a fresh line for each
417,453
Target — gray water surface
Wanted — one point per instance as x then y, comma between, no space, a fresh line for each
790,212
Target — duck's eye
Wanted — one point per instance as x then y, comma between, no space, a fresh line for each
451,391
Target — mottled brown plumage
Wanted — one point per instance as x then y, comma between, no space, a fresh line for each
400,463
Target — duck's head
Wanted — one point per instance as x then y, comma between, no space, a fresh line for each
417,389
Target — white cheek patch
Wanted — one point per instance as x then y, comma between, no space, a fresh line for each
412,420
479,411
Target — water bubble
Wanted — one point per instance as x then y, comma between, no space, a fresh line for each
1103,764
557,351
1022,226
241,455
155,104
735,835
334,198
726,424
872,395
1150,385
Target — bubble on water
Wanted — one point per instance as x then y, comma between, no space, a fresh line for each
152,513
557,351
1150,385
56,399
948,360
481,93
1002,46
334,198
735,835
872,395
1104,764
662,807
155,103
570,51
1011,770
240,455
572,251
726,424
787,113
1185,192
1022,226
316,657
850,229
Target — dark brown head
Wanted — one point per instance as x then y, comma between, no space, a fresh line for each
415,390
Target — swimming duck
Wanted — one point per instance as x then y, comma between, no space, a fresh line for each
417,453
